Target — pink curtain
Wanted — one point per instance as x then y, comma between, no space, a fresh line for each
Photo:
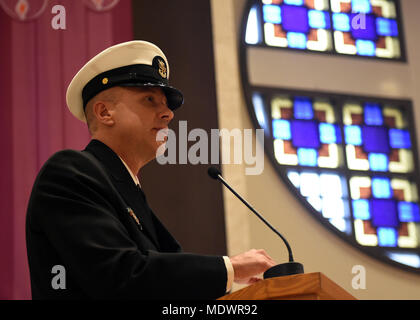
37,63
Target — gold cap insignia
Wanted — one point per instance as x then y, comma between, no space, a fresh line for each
160,64
162,69
104,80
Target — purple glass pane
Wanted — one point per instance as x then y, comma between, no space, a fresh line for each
375,139
294,19
305,134
384,213
338,134
363,26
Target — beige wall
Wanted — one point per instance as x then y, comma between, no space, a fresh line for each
313,245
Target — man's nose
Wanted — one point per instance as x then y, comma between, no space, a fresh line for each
167,113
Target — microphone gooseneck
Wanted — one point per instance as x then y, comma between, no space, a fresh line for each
282,269
216,174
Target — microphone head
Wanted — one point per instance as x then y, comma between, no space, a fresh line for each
214,172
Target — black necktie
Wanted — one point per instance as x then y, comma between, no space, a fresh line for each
141,192
147,212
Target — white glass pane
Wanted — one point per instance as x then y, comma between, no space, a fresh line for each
412,260
332,208
294,178
259,111
315,202
309,184
340,224
331,185
252,35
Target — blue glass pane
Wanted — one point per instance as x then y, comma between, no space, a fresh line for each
375,139
378,162
373,114
384,213
399,138
307,157
381,188
319,19
294,2
296,40
386,27
387,237
363,27
365,48
305,134
408,212
341,22
303,109
272,13
361,209
281,129
353,135
362,6
327,133
295,19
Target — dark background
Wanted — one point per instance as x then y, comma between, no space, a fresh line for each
188,202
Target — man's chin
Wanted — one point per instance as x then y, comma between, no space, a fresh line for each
161,148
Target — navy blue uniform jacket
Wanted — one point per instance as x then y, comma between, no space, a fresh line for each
79,217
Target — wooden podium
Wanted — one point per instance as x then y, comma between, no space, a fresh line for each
310,286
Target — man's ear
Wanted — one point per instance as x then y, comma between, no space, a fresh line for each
103,113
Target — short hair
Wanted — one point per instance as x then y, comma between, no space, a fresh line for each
110,95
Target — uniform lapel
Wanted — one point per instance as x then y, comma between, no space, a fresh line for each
139,207
125,186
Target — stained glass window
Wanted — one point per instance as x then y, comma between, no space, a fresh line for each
377,138
385,211
367,28
352,160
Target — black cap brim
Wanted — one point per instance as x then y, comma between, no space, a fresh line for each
138,75
174,96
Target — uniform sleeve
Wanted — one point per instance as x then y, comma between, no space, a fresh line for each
79,217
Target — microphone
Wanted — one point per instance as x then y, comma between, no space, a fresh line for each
279,270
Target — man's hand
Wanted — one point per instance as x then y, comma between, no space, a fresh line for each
249,264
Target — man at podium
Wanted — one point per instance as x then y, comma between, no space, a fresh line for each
88,215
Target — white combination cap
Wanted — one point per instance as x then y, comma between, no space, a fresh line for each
131,64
